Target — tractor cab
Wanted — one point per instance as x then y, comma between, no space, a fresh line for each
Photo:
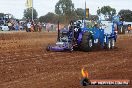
84,35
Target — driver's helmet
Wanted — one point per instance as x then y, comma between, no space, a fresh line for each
78,23
75,23
95,23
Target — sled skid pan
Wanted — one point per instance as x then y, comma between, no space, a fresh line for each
56,48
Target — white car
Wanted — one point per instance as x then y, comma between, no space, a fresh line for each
4,28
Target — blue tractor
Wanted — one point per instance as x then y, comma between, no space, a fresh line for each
81,36
85,35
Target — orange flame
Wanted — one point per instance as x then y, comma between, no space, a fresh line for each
84,73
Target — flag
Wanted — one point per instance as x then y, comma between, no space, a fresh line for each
29,4
87,12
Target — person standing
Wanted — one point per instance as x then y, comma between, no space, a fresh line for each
28,27
16,26
129,28
35,27
32,26
47,27
39,27
10,25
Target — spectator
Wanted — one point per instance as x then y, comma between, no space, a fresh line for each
25,26
16,27
36,28
10,25
28,27
32,26
39,27
47,27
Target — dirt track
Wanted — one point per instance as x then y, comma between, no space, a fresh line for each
24,63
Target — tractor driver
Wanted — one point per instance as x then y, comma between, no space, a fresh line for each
77,29
96,24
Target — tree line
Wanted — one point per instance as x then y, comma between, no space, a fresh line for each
65,11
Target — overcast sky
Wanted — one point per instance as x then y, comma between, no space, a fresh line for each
16,7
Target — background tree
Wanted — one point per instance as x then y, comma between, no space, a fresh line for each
93,17
79,13
1,15
107,11
65,8
49,18
28,13
126,14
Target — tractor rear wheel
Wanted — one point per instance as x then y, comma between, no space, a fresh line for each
87,42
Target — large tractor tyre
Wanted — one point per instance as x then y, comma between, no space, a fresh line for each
0,28
111,44
123,31
108,45
87,42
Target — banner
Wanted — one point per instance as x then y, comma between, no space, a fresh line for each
29,3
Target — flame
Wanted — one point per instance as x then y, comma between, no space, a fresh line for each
84,73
